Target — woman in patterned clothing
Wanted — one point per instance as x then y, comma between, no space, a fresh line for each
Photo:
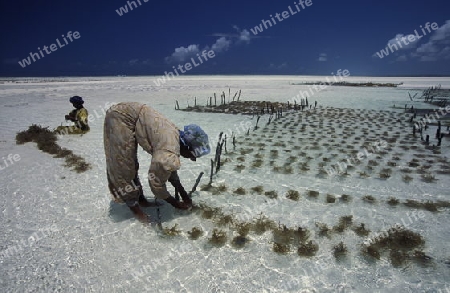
130,124
79,115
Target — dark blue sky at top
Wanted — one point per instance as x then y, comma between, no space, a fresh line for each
149,40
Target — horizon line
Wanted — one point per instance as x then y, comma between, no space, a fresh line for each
199,75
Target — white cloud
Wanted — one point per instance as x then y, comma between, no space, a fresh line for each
402,58
272,66
147,62
245,36
442,34
437,46
446,53
402,42
427,48
428,58
133,62
222,44
322,57
182,54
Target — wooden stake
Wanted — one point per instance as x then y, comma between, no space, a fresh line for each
226,144
196,184
211,173
257,120
218,157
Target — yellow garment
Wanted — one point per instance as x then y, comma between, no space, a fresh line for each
81,123
81,116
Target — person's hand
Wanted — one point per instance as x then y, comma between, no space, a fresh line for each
188,201
71,118
181,205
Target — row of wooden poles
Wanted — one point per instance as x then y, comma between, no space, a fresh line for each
439,135
269,109
209,100
221,145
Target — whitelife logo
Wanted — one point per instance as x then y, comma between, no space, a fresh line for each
406,40
53,47
266,24
131,4
204,57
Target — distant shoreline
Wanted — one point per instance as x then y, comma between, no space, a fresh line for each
2,77
355,84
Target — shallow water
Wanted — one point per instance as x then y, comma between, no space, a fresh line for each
62,233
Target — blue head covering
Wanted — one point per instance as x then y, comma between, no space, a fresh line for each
76,100
196,139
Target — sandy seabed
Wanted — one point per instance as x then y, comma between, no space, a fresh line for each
61,233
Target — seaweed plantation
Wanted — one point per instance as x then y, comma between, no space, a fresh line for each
46,141
329,144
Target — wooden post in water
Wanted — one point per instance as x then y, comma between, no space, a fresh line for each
196,184
218,148
211,173
257,120
218,157
438,131
226,144
235,96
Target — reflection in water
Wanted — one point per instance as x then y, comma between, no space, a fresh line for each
120,212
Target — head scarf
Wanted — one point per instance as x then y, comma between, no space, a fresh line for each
196,139
76,100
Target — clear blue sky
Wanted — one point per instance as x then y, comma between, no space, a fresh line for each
155,36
